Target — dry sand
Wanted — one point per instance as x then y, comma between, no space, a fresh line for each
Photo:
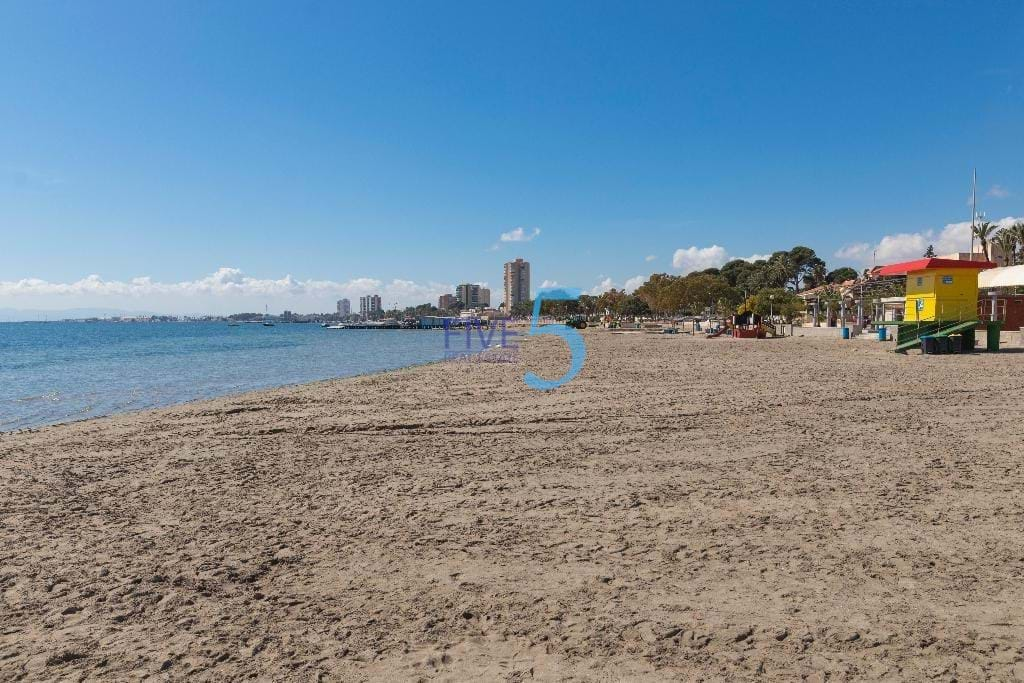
685,509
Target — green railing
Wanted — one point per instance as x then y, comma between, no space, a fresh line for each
909,333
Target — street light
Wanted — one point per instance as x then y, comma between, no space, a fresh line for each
771,307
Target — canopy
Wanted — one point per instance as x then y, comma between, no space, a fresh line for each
932,264
1013,276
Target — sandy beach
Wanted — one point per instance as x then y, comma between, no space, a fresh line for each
685,509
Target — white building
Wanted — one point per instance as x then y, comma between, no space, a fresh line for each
344,307
473,296
369,306
517,283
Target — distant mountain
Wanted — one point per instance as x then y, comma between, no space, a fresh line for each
11,315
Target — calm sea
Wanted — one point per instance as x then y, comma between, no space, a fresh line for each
56,372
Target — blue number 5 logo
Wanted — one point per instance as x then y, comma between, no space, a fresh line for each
572,338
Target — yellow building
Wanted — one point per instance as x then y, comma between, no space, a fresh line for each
940,289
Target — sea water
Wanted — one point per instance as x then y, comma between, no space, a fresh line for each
57,372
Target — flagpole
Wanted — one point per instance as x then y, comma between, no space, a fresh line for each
974,207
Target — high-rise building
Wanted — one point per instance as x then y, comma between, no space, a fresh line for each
344,307
517,283
446,302
469,295
485,297
369,306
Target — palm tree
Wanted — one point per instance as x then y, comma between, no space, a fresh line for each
1006,240
1018,231
780,270
983,231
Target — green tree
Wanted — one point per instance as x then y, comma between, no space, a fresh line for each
662,293
633,307
702,290
804,261
818,275
984,231
523,309
611,301
841,275
780,270
736,271
1006,240
587,304
930,251
776,301
1018,230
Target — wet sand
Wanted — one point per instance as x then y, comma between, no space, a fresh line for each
685,509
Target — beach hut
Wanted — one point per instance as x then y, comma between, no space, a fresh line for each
941,299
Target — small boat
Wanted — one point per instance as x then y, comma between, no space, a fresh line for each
266,322
233,325
339,326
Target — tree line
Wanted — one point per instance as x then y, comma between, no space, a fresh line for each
765,286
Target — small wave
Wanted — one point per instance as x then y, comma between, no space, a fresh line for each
52,397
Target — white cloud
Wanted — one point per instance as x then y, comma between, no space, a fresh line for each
602,287
998,192
634,282
519,235
608,283
549,283
905,246
650,258
696,258
858,251
227,289
902,246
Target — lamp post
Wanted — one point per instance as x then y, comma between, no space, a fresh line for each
771,307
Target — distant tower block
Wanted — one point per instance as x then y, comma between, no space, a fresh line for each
517,283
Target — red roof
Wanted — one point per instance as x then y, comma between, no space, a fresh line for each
932,263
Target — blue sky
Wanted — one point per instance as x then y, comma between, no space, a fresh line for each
350,145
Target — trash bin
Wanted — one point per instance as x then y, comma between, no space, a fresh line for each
992,340
956,343
942,344
846,333
881,334
929,345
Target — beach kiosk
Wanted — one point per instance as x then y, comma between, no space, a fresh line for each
941,301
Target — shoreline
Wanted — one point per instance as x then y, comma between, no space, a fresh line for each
74,389
684,508
238,395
